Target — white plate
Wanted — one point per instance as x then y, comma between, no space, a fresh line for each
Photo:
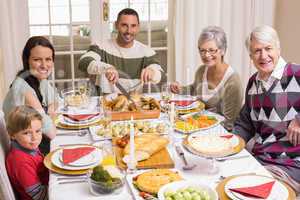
65,121
74,122
184,184
135,192
89,161
279,191
191,106
218,117
154,123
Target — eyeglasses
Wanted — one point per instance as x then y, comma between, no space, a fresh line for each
203,52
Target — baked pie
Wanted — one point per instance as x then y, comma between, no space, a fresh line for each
210,145
151,181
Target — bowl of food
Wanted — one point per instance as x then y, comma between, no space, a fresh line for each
187,190
105,181
77,97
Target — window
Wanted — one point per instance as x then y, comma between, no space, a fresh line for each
67,24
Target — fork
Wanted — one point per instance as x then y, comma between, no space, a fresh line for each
231,158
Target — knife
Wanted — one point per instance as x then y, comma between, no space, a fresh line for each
123,91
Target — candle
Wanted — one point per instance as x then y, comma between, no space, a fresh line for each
188,79
132,162
172,113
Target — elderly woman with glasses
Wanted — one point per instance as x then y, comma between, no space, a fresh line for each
270,113
216,83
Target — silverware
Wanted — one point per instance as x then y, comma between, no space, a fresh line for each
72,181
65,145
186,165
72,178
123,90
73,133
231,158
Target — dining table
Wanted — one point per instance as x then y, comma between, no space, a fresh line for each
247,164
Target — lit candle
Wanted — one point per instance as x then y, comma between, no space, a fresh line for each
132,162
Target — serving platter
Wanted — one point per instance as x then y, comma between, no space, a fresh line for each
121,128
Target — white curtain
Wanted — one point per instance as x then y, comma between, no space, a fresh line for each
236,17
14,32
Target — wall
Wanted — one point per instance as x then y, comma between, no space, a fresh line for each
287,18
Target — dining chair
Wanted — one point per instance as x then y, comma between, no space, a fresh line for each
6,190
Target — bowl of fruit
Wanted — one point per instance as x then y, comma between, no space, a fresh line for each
105,181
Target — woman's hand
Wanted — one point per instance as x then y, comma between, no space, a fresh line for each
52,110
175,87
112,75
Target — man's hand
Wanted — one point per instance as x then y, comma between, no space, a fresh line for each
147,75
112,75
175,87
293,132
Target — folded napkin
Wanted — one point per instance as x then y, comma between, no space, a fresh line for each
260,191
80,117
182,103
226,136
71,155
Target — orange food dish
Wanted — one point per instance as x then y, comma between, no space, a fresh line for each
202,121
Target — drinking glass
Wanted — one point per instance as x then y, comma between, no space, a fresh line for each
108,154
166,92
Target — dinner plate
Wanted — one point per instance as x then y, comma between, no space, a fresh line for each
193,105
279,191
237,144
74,122
86,160
174,186
64,121
92,160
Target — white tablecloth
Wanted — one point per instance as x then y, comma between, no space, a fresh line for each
80,191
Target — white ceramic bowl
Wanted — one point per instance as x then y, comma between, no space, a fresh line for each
178,185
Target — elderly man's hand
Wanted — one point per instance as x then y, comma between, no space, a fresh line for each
112,75
147,75
293,132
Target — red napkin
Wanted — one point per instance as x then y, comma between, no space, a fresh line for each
260,191
80,117
226,136
182,102
71,155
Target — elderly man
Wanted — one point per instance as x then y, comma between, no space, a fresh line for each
272,102
123,59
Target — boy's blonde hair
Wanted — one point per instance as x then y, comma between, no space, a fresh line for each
20,119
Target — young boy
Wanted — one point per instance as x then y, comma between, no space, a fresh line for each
24,162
